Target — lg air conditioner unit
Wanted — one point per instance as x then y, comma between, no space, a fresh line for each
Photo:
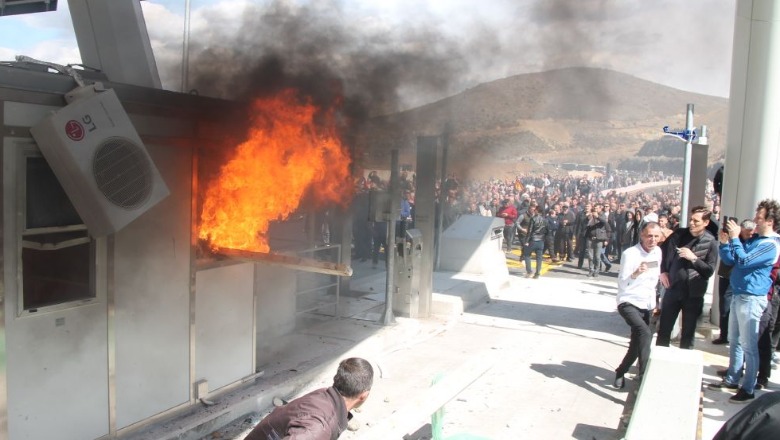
100,161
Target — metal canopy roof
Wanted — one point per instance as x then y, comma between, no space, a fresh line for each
16,7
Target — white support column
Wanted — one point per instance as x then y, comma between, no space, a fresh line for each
752,156
112,37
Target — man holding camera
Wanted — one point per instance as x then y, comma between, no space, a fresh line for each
724,290
750,282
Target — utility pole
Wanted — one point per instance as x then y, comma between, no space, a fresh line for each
687,136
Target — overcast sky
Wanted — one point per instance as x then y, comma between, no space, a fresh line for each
682,44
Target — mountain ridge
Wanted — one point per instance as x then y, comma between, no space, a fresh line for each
575,114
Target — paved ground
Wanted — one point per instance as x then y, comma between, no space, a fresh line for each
553,344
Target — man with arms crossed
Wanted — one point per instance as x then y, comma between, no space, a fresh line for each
640,268
750,282
322,414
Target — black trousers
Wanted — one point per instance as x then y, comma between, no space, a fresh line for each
765,349
641,337
550,246
724,302
679,299
582,250
564,245
380,241
361,237
776,331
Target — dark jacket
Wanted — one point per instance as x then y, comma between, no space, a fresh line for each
612,220
681,270
523,225
598,228
759,420
568,221
630,234
581,223
553,224
319,415
537,229
620,224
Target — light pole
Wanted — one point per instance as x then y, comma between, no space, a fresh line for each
687,135
185,56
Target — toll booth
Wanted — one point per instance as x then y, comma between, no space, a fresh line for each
473,244
408,258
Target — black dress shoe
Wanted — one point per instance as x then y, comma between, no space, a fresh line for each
620,382
720,341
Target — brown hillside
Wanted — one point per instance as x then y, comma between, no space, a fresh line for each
581,115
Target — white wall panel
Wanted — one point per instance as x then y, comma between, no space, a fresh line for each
57,366
224,313
151,285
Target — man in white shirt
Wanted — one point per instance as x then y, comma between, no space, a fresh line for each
640,268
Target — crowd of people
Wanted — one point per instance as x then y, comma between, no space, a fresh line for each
745,256
664,268
568,218
573,217
591,220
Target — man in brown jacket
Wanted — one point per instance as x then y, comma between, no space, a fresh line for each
322,414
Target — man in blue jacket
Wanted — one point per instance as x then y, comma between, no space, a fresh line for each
750,283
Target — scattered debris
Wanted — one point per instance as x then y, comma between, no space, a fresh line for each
353,425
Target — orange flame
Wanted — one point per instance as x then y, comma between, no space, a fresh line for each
292,151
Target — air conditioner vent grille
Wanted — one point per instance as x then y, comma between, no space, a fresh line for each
123,172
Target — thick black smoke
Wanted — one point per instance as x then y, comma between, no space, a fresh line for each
316,50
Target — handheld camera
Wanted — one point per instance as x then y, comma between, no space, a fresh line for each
726,223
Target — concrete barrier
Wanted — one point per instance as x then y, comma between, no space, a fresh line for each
667,406
419,407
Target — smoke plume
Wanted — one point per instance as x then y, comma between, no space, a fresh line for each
314,49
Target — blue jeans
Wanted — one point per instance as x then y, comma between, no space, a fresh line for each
534,246
596,249
509,237
744,318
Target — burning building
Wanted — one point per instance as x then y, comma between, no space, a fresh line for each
153,242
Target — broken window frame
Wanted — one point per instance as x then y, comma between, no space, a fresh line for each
60,238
